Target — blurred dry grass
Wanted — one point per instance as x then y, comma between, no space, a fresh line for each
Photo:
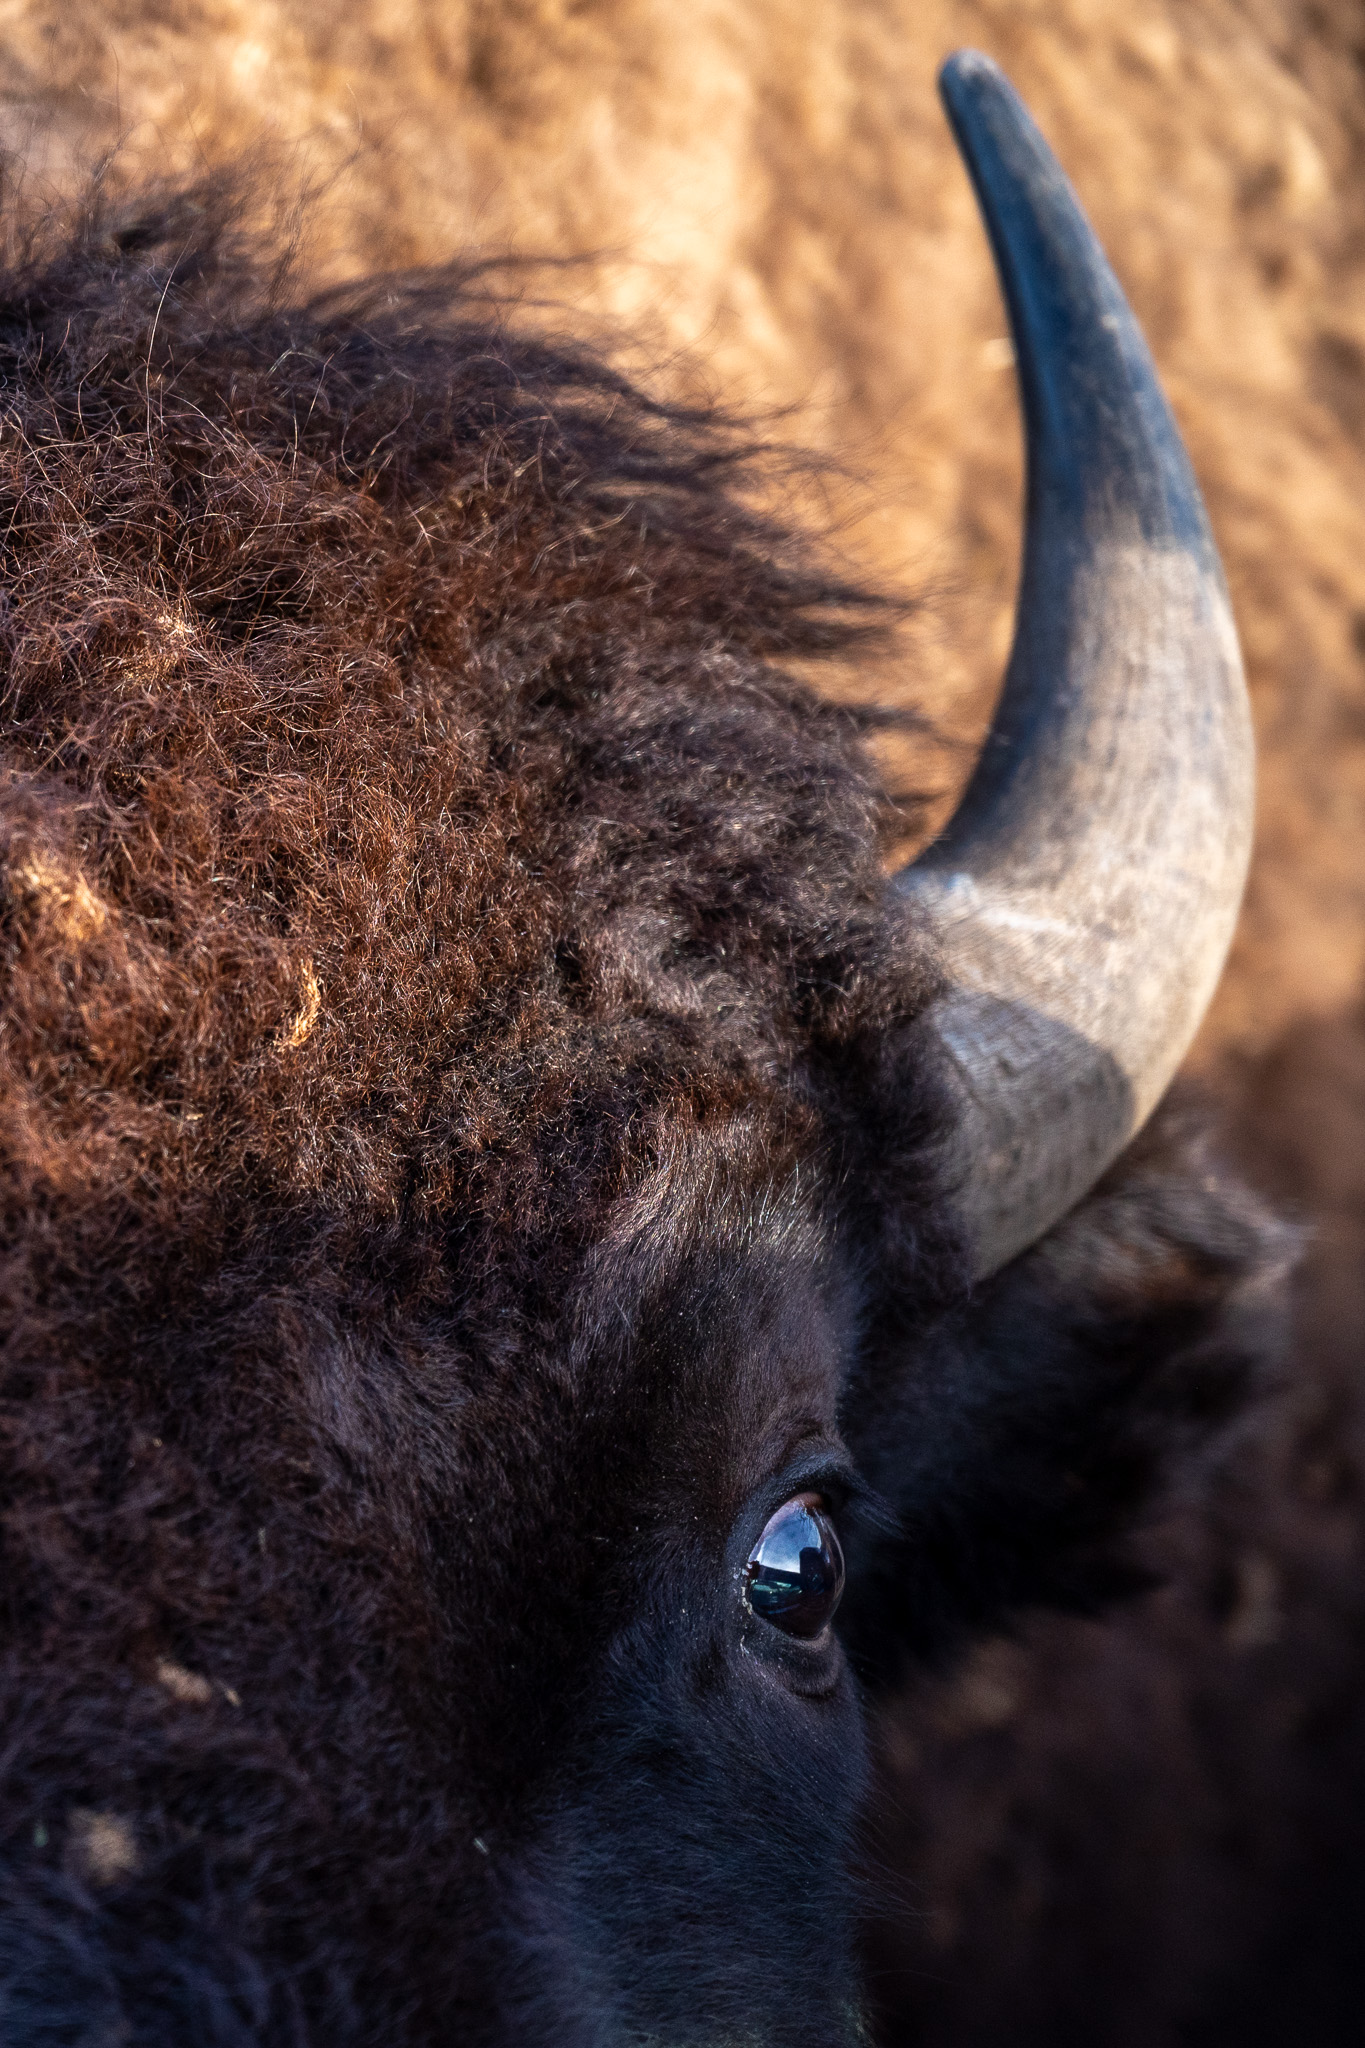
769,201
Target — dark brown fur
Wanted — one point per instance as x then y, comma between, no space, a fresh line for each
466,1115
1150,1827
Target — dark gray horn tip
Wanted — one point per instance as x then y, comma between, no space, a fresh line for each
1097,419
966,65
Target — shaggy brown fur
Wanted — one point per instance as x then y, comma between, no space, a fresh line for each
466,1121
373,681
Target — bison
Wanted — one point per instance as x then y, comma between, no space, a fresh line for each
509,1213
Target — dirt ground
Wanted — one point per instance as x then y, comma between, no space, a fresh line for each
768,206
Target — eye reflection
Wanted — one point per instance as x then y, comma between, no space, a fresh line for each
795,1572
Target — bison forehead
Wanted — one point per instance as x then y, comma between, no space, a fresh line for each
576,1470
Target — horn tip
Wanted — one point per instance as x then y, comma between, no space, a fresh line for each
976,92
966,68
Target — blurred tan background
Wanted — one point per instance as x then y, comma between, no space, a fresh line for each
771,206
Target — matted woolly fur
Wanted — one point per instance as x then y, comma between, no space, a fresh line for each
425,884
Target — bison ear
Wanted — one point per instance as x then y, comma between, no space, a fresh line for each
1017,1443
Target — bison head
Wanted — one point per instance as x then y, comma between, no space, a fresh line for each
497,1185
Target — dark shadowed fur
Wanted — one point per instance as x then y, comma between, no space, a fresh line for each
468,1134
1150,1828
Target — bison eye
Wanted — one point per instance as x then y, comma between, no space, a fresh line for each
795,1572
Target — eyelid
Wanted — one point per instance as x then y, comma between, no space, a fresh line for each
848,1497
819,1467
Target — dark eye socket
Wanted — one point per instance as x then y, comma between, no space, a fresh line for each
795,1572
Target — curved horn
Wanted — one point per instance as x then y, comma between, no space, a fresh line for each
1087,886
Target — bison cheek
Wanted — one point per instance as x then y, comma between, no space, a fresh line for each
692,1883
